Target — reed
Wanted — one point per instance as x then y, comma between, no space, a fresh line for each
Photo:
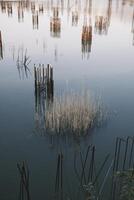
1,47
125,179
72,113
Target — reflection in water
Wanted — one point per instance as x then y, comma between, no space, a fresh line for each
92,178
9,9
13,52
56,54
125,2
96,19
56,20
24,193
44,91
71,114
67,114
75,18
1,47
123,168
55,24
74,7
86,38
102,23
35,20
3,6
133,27
105,180
22,63
59,178
41,8
20,12
33,7
86,172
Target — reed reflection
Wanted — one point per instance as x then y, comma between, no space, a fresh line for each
128,2
9,9
41,8
3,6
76,13
33,7
55,23
75,18
111,178
102,23
59,178
86,38
35,20
132,29
1,47
44,91
94,20
20,12
24,192
23,60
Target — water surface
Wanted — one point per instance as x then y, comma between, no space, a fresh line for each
104,65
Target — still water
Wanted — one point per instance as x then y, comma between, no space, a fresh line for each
104,65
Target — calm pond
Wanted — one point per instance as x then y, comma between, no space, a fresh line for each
90,45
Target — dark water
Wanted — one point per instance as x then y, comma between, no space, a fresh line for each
105,66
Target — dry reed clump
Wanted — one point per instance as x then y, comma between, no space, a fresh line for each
73,113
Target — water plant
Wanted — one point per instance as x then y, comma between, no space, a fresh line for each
72,113
125,180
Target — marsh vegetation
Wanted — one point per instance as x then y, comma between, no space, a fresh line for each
74,113
51,116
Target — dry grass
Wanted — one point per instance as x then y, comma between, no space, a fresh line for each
75,113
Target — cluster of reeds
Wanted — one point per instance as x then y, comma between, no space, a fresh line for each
123,169
72,113
126,181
